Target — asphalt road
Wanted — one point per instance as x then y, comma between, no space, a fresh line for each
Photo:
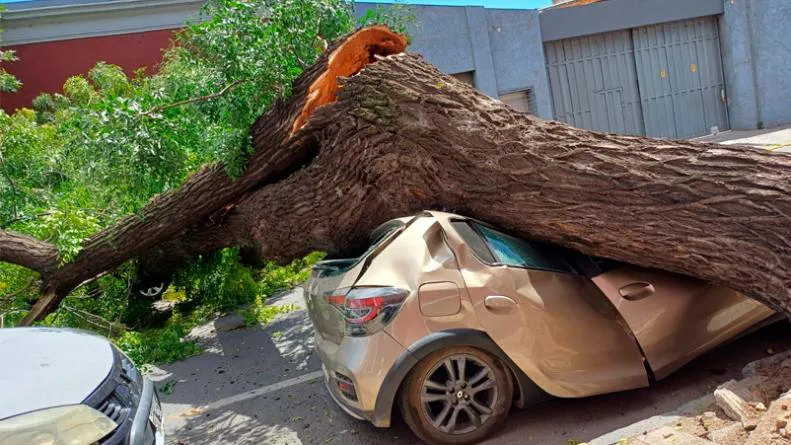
260,386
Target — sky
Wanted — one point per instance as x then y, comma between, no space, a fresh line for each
509,4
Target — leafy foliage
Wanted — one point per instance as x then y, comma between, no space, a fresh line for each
8,82
164,345
399,17
260,312
83,158
207,287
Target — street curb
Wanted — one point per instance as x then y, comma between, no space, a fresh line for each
690,408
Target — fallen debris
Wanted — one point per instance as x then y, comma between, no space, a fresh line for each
669,436
772,427
755,410
737,401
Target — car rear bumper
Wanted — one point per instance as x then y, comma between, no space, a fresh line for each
362,363
147,426
338,401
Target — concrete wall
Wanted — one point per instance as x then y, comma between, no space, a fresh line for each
756,51
518,55
502,47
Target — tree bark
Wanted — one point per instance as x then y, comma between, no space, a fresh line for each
29,252
399,137
279,149
403,137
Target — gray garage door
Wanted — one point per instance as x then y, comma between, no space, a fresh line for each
594,83
662,80
679,71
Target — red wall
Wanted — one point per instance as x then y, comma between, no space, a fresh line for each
43,67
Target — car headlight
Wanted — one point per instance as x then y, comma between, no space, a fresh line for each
63,425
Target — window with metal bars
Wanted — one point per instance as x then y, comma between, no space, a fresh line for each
522,100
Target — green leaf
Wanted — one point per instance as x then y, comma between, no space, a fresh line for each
85,157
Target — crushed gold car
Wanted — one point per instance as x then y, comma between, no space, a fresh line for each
455,321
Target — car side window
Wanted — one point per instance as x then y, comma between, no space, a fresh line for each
512,251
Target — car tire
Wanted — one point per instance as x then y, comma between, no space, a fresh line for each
444,414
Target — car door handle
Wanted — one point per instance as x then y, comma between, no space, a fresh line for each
637,291
499,302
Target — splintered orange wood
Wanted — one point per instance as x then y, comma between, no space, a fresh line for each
347,60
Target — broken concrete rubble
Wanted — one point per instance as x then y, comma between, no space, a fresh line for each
753,411
733,431
772,428
738,401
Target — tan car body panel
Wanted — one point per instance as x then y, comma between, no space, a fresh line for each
570,345
565,332
419,256
365,360
682,318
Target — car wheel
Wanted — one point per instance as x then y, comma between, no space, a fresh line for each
456,396
153,291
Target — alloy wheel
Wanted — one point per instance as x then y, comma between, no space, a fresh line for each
459,394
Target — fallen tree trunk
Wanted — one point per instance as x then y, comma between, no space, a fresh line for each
29,252
212,191
401,137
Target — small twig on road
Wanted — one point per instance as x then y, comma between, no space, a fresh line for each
19,218
87,317
2,316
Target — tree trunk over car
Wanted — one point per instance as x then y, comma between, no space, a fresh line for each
402,137
355,147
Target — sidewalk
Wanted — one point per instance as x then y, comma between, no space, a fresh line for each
778,138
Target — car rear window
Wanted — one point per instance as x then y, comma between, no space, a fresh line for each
382,235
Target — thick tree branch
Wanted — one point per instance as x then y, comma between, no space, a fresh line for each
399,137
26,251
403,137
280,149
224,229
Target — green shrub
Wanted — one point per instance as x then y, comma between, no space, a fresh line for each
164,345
216,283
259,312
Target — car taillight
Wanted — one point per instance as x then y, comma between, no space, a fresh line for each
367,310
